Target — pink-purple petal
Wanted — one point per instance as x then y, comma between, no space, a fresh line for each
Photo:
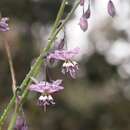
47,87
36,88
4,25
63,54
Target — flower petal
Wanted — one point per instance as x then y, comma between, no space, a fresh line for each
64,54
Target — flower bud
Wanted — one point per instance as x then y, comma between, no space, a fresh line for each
111,8
60,45
81,2
20,124
83,23
87,13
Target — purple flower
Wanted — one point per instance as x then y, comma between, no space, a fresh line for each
46,89
83,23
69,67
111,8
4,25
20,124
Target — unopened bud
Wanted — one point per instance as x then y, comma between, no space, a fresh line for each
61,44
81,2
87,13
111,8
20,124
83,23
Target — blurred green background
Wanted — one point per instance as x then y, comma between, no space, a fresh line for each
99,99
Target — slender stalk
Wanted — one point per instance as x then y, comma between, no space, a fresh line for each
66,19
34,68
63,23
7,48
13,120
9,106
58,18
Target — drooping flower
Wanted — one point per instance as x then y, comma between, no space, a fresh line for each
69,66
46,89
111,8
20,124
4,25
83,23
45,101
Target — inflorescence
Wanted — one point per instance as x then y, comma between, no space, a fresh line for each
69,67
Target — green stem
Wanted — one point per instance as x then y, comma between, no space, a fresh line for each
52,38
24,95
33,69
58,18
4,115
66,19
13,120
